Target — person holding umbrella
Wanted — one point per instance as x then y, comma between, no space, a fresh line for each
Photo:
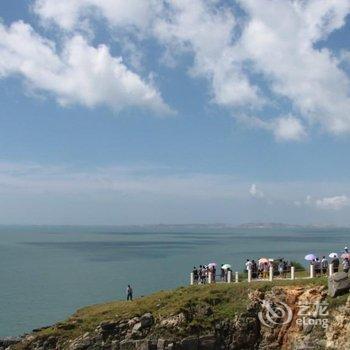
226,268
222,273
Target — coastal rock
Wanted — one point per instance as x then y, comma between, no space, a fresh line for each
173,321
189,343
5,342
338,283
80,344
108,326
204,330
337,333
133,321
147,320
161,343
207,342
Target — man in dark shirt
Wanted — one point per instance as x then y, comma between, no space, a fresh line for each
129,292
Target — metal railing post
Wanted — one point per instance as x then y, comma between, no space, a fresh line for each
292,273
249,275
229,276
236,277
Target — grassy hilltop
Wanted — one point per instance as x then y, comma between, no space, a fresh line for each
225,300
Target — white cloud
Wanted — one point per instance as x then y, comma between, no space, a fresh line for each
81,73
333,203
73,14
196,26
277,40
255,191
288,128
326,203
280,39
206,31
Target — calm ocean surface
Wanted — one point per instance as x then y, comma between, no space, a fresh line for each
46,273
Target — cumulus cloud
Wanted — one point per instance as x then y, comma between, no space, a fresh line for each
80,73
333,203
255,191
73,14
196,26
288,128
326,203
280,39
201,28
276,52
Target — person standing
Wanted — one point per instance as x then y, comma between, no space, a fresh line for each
195,275
248,265
129,293
324,265
266,270
346,265
222,274
317,264
335,262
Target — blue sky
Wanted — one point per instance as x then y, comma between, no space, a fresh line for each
174,111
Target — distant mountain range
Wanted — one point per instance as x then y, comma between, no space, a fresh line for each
221,226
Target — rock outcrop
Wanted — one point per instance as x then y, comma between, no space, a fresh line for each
339,283
292,321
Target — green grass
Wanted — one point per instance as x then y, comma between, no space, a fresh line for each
225,301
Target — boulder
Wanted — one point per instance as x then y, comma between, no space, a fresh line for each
189,343
108,326
7,341
161,343
147,320
338,283
207,342
143,344
137,327
127,345
173,321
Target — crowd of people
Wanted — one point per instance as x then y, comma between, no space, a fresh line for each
201,274
321,265
260,268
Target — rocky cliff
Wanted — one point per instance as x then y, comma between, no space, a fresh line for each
206,317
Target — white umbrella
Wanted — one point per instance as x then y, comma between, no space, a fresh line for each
333,255
263,260
212,264
226,266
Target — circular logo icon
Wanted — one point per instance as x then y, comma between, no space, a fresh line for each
275,313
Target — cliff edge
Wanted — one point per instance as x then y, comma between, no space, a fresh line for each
278,315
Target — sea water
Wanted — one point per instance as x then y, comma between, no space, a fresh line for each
46,273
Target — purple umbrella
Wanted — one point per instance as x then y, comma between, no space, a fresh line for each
310,257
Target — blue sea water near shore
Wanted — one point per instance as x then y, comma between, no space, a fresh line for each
47,272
